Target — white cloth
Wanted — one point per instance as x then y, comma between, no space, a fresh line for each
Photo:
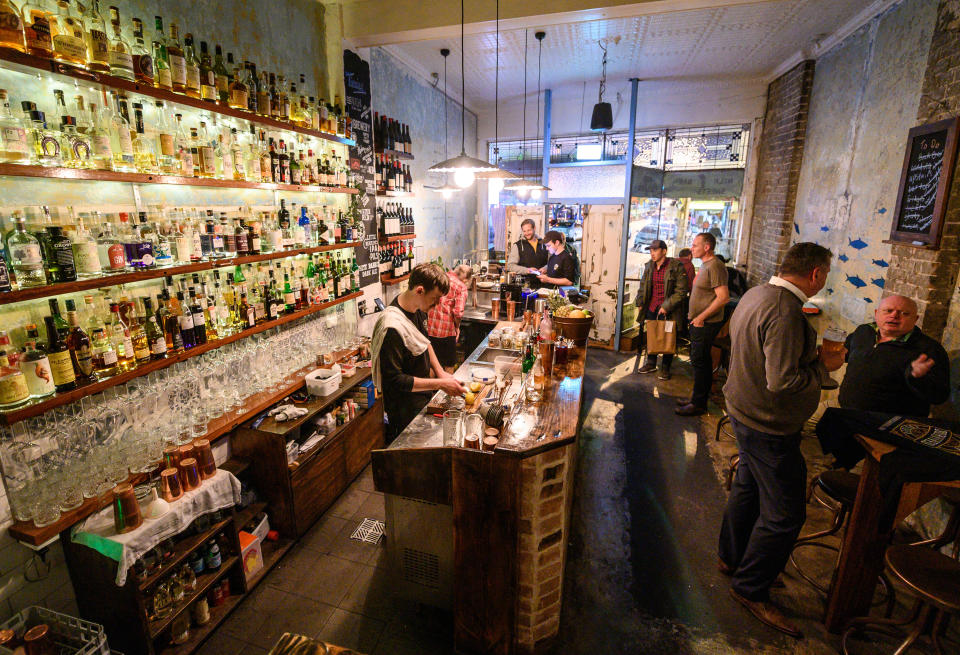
789,286
413,339
98,532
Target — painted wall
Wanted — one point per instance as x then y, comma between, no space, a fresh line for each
865,96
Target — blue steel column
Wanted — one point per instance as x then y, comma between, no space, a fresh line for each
546,140
625,231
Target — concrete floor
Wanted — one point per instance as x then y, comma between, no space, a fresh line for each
641,572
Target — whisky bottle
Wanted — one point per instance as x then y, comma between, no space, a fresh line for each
185,319
105,360
208,82
263,94
199,320
192,65
14,145
178,64
85,255
144,154
155,339
239,91
11,27
120,55
205,147
121,340
161,62
143,68
36,27
238,154
166,142
98,47
118,130
138,336
184,152
80,345
69,38
221,76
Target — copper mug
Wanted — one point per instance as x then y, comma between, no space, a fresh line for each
170,487
203,453
191,474
471,441
171,457
511,310
37,640
495,308
126,508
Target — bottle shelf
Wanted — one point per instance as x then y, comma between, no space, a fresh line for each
33,293
395,154
198,634
181,550
204,582
389,281
61,173
394,194
397,237
91,388
31,64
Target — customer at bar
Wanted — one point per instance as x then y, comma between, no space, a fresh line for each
663,289
528,255
443,319
561,269
708,296
405,368
776,372
686,258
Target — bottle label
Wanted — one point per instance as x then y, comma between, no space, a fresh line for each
207,161
14,139
166,145
159,346
274,310
84,357
11,29
238,165
50,146
13,388
141,349
85,257
109,357
238,98
217,242
143,66
251,317
126,143
255,243
38,32
207,89
39,376
198,319
120,61
62,367
186,164
227,162
63,253
99,50
222,82
164,79
186,322
145,254
80,148
193,78
70,46
241,239
118,257
28,254
255,170
125,345
289,298
178,70
101,146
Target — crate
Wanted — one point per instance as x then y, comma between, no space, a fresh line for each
70,634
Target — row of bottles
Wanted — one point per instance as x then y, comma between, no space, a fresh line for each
116,334
44,251
396,260
391,175
59,31
395,220
390,134
127,137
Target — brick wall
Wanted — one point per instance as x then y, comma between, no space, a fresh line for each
930,276
546,493
778,169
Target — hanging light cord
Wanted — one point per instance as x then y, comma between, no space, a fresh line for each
603,75
463,91
496,95
523,143
539,65
446,138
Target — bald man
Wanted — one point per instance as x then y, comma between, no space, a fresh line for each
892,366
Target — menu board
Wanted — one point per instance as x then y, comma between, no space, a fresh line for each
925,183
356,78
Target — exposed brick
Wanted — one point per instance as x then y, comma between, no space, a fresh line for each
550,540
551,524
552,472
551,506
548,572
551,490
547,629
548,599
555,554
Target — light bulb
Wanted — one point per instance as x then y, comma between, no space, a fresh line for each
522,193
536,193
463,178
496,184
446,193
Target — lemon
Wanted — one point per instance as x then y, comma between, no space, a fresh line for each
577,314
469,397
475,386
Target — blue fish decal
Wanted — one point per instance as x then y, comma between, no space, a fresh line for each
796,228
824,228
877,281
830,291
856,281
867,300
843,258
882,210
859,244
882,263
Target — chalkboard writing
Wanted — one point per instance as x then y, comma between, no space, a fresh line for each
356,77
924,182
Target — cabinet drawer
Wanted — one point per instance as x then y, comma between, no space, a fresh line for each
316,484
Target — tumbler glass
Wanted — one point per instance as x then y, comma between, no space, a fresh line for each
452,420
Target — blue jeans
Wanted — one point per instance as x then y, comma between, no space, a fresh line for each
765,511
701,341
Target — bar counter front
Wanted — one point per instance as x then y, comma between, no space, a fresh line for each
483,533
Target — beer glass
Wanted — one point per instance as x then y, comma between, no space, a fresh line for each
833,340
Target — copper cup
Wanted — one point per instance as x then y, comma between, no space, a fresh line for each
170,487
37,640
546,356
471,442
171,457
126,509
511,310
191,474
495,308
489,443
203,453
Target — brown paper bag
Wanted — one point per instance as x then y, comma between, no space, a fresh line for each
661,337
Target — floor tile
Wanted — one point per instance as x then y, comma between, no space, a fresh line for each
245,621
219,643
395,644
343,546
298,569
320,537
348,503
328,581
296,614
371,595
372,508
350,630
364,481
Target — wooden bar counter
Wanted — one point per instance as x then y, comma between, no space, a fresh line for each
484,533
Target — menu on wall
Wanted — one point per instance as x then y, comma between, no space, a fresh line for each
356,77
924,183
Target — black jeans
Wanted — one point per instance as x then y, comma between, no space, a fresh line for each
765,511
666,359
701,340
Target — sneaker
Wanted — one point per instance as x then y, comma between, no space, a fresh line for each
663,375
647,368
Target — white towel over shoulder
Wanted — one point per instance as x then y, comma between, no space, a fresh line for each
413,339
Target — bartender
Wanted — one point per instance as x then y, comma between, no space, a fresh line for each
528,254
404,366
561,269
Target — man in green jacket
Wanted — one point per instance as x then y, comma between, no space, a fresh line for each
662,291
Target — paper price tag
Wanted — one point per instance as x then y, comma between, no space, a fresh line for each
668,326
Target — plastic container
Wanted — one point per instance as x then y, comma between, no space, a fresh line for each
69,633
324,381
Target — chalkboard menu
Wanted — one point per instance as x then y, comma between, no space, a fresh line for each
356,78
925,184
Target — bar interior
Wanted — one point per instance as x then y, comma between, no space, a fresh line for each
384,327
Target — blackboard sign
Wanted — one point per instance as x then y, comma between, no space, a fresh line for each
925,184
356,78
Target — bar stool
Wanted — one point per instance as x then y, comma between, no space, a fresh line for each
928,575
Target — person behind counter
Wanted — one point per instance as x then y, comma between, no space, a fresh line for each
561,269
528,254
443,319
404,366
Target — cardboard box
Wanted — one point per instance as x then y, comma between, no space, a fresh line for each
251,554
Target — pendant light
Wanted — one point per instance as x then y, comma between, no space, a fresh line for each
462,166
446,190
537,193
497,176
602,118
522,186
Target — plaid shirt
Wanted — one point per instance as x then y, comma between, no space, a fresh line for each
444,319
659,277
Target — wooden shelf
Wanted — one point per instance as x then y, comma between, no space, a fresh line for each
247,513
235,465
315,405
49,290
91,388
60,173
394,194
272,551
390,281
329,439
396,154
204,582
398,237
183,548
31,64
199,634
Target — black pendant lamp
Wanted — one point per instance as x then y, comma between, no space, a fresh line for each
602,119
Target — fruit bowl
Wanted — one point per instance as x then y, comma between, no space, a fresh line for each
575,329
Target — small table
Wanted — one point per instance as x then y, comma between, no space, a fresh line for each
864,544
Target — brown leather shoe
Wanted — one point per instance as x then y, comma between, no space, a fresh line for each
770,614
682,401
724,568
690,410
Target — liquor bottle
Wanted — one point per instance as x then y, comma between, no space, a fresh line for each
69,38
156,342
163,78
14,146
294,171
58,357
229,236
35,365
199,320
37,15
144,153
138,336
166,133
110,250
14,391
354,276
143,66
98,46
181,149
263,95
105,361
252,84
118,130
223,154
79,344
289,298
85,256
44,141
205,147
177,60
169,323
208,82
192,65
185,319
63,252
75,147
120,54
241,237
121,340
284,98
221,76
247,312
238,156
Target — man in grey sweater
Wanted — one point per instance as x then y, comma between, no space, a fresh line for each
776,372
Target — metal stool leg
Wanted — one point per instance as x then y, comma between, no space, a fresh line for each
884,626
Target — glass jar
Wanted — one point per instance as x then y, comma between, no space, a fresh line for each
162,601
494,340
180,629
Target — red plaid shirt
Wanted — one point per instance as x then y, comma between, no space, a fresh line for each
659,275
444,319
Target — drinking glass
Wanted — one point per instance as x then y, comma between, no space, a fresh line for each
473,426
452,421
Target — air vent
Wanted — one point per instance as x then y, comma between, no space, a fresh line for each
421,568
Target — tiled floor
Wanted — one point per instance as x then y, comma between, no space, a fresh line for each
334,588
